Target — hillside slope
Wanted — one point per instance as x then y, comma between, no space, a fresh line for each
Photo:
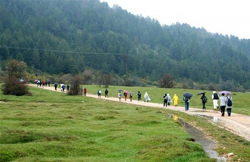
70,36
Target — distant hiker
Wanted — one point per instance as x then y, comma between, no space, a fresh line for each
106,93
125,95
43,83
165,100
81,90
215,98
186,100
85,92
119,95
223,101
49,82
203,100
169,99
67,87
146,97
55,85
139,95
176,100
62,87
130,96
37,83
229,104
99,93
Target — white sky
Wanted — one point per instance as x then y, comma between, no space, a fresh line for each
231,17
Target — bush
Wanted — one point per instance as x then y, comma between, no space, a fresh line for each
13,86
75,85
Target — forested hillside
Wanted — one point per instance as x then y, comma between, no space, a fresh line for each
60,37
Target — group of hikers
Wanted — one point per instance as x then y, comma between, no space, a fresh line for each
225,99
42,83
225,102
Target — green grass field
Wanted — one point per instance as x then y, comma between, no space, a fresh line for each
52,126
241,102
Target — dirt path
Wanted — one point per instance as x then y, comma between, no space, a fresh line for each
237,123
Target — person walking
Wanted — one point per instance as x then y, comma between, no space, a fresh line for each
229,104
215,98
139,95
125,95
169,99
85,91
99,93
106,93
203,100
130,96
186,100
119,95
165,100
176,100
146,97
223,101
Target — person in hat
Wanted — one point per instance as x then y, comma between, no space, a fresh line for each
215,98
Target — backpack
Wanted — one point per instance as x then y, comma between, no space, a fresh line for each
166,98
204,99
216,96
229,102
185,99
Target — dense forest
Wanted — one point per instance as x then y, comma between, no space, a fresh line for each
68,37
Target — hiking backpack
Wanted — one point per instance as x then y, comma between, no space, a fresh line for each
204,99
216,96
229,102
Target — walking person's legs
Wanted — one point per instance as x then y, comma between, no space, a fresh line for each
229,111
204,105
222,110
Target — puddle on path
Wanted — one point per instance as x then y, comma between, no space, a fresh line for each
207,144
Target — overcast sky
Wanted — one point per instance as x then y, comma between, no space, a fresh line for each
231,17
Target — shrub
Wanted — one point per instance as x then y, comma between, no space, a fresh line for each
13,86
75,85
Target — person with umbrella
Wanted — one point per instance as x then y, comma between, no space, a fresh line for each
223,101
125,95
186,98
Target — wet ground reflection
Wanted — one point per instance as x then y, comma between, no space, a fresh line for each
207,144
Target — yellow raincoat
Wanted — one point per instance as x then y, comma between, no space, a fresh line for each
176,100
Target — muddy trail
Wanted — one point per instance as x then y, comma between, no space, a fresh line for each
237,123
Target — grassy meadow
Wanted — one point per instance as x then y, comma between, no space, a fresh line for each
241,102
52,126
